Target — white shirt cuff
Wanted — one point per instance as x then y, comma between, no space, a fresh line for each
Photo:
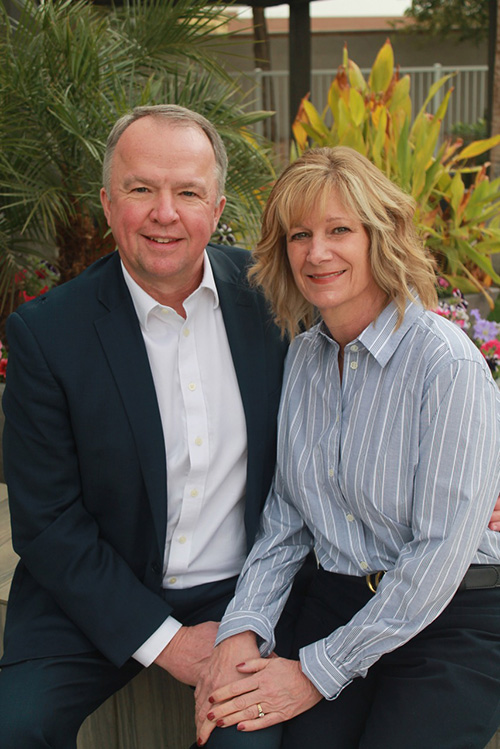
153,646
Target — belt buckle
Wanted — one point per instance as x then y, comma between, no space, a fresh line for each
373,580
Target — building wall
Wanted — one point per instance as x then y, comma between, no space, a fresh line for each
410,50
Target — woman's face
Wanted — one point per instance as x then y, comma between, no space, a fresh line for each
330,261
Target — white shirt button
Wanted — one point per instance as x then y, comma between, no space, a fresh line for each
183,539
172,580
198,441
165,311
330,472
354,347
192,386
186,332
350,518
194,492
363,566
354,365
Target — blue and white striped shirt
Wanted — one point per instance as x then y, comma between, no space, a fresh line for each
395,468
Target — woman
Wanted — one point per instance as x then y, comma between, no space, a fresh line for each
388,466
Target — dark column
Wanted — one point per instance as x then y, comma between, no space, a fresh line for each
299,50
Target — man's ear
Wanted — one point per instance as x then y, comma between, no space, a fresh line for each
106,204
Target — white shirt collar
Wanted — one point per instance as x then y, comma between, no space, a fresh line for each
145,304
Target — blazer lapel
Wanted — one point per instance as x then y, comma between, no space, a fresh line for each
243,322
123,345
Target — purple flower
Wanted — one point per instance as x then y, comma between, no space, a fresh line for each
484,330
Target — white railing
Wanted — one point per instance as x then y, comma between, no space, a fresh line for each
467,103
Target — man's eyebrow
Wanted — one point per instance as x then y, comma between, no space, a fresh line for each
133,179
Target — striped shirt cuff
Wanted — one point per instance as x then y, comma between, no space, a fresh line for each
320,670
243,621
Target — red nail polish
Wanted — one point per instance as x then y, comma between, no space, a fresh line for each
210,716
239,664
199,742
211,700
220,723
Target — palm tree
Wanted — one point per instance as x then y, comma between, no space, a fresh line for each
68,70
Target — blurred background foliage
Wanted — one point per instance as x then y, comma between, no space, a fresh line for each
458,206
69,70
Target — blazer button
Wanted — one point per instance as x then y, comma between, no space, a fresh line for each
156,567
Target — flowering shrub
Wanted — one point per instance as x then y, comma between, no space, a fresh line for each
30,282
484,333
35,280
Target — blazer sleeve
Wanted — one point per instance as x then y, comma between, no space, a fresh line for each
59,541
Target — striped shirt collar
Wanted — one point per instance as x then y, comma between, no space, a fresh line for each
381,338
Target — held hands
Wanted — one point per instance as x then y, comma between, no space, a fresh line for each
187,653
221,670
494,523
275,685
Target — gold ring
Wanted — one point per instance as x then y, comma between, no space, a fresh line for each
261,711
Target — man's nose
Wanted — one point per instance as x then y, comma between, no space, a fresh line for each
164,210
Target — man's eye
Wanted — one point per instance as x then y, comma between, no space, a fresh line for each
140,189
188,193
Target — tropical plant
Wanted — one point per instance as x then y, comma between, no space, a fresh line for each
69,70
460,226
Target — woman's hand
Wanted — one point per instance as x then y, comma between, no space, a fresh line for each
275,685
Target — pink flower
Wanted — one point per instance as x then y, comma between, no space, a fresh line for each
491,348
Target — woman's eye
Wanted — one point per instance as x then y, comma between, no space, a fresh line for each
341,230
298,235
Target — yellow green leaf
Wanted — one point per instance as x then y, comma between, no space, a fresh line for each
401,94
457,189
314,117
382,70
356,106
356,78
478,147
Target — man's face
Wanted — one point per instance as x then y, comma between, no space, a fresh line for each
163,206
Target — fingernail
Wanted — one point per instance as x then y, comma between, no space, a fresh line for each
211,700
220,723
240,727
210,716
199,742
239,664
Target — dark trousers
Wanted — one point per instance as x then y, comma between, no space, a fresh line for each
43,702
441,690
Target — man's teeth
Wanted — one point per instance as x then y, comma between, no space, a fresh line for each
160,240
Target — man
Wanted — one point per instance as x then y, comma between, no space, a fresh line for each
140,409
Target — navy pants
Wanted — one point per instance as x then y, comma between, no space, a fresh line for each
441,690
43,702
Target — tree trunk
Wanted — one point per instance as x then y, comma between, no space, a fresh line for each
262,59
495,105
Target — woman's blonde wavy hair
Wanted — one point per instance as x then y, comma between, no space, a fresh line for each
399,262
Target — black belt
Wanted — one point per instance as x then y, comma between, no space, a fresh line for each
481,577
477,577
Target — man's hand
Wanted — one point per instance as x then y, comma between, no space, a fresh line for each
494,523
188,651
221,670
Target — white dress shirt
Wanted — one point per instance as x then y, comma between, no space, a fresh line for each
204,429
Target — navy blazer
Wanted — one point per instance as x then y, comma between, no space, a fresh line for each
85,462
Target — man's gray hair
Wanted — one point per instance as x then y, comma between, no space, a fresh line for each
179,116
